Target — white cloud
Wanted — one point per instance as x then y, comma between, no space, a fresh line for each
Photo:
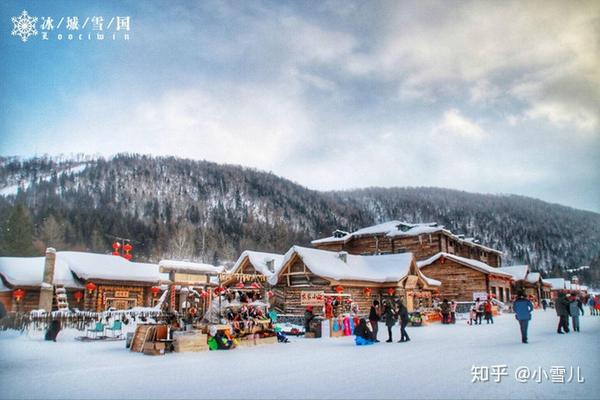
456,124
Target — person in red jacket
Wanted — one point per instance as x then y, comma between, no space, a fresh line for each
487,308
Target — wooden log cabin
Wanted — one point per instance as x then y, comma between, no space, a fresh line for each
463,278
307,274
254,263
423,240
92,282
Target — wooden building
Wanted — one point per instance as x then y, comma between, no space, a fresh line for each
423,240
463,279
92,282
309,276
254,263
26,274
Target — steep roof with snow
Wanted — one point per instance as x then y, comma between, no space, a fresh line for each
477,265
557,283
398,229
189,267
519,272
328,264
29,271
259,261
89,266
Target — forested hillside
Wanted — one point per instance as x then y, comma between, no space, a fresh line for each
209,212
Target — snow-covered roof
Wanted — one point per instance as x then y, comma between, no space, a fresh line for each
259,261
533,277
399,228
3,287
556,283
518,272
89,266
29,271
478,265
329,264
188,267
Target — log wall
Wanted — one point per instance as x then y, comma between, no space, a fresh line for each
458,282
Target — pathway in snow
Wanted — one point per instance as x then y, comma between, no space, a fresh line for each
436,363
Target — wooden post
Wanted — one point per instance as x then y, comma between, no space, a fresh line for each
47,290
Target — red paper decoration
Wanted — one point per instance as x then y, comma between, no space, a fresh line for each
90,286
367,291
18,294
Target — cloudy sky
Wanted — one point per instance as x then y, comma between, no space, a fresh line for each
493,97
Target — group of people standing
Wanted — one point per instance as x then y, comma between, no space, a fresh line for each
480,310
568,306
391,313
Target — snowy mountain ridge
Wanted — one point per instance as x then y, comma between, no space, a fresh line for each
206,212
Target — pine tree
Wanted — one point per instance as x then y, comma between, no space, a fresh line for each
18,233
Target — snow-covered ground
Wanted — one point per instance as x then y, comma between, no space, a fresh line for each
436,363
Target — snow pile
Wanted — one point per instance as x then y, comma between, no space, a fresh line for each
260,261
518,272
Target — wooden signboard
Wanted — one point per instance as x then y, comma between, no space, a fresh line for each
121,293
311,298
411,282
190,278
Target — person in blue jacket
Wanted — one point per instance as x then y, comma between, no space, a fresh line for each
523,308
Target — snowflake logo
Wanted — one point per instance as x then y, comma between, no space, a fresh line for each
24,26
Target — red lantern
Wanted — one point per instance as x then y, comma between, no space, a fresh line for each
127,247
155,290
442,260
339,289
18,294
367,291
78,296
255,285
204,294
90,286
391,291
239,285
270,293
127,256
116,253
116,246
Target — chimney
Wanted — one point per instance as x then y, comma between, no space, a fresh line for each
47,290
271,265
343,255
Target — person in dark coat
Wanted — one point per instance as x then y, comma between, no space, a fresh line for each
389,317
374,319
404,319
53,330
308,317
523,308
544,304
363,335
580,305
562,310
445,310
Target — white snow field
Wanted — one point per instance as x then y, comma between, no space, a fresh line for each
437,363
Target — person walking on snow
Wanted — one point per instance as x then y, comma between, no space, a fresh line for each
544,304
389,316
574,312
523,308
562,310
403,314
592,305
374,319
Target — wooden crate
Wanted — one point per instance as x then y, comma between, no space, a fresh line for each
190,341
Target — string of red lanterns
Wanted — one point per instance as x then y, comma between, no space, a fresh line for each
122,250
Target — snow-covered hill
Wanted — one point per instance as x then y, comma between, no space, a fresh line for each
207,211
